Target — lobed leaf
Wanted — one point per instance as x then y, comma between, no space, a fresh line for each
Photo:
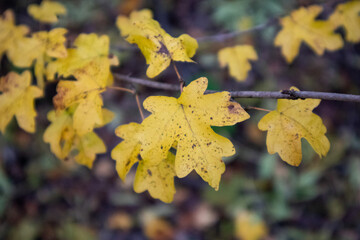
289,123
301,26
157,46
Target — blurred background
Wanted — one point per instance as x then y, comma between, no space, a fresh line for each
260,196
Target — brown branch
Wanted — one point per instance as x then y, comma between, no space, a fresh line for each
285,94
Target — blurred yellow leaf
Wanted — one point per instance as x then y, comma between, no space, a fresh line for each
47,11
187,121
17,99
120,220
301,26
157,179
157,46
20,49
86,94
159,229
60,133
52,45
249,227
90,49
62,137
291,121
347,15
237,59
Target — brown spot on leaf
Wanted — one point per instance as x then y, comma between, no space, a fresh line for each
163,49
149,172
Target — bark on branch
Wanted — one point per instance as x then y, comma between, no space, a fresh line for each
284,94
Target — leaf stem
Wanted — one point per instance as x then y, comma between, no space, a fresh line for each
132,91
182,83
256,108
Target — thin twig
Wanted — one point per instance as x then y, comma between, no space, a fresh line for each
227,36
181,81
286,94
132,91
256,108
139,106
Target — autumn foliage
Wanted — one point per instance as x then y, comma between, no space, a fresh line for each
177,136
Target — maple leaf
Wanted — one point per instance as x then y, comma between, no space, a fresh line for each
62,137
347,15
86,94
188,120
291,121
17,99
158,180
47,11
60,133
52,45
237,58
20,49
302,26
89,49
157,46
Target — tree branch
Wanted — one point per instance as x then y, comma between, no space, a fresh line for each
284,94
226,36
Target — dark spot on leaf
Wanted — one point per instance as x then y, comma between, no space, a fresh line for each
149,172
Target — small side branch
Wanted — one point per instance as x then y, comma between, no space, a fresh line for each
285,94
227,36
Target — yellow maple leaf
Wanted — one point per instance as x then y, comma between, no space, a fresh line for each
17,99
86,94
248,226
301,26
52,45
62,137
47,11
291,121
60,133
237,58
347,15
21,50
157,46
158,180
89,145
89,50
188,120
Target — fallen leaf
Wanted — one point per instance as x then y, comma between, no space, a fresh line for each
248,226
291,121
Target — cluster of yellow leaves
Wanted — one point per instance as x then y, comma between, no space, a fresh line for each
237,58
47,11
78,104
90,64
183,124
289,123
157,46
300,26
17,99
